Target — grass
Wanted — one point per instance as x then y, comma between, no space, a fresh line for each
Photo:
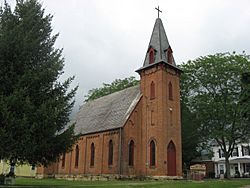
50,183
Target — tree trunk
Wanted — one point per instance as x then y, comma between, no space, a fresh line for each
228,176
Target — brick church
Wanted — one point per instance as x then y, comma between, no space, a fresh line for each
133,132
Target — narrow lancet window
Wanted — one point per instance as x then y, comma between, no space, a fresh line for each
92,155
170,56
152,90
63,160
131,153
76,156
110,156
151,56
152,153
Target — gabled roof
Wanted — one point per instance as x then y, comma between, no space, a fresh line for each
159,42
108,112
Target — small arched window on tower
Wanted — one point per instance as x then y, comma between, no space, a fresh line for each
92,155
152,153
170,91
151,56
170,55
76,156
110,157
131,153
152,90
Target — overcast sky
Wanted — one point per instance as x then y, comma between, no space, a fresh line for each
107,39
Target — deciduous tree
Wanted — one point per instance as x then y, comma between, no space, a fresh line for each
213,88
245,96
106,89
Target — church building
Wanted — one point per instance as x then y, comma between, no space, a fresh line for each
135,132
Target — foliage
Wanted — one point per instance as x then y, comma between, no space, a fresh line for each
245,97
34,106
190,136
106,89
212,87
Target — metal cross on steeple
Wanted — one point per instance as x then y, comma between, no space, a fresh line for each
158,9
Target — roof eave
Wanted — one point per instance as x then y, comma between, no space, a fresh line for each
151,65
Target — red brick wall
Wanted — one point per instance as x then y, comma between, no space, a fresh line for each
51,170
156,123
132,131
101,142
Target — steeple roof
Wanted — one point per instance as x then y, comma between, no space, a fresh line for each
159,43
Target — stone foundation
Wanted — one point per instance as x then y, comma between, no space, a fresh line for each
109,177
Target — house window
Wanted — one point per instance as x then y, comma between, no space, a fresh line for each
151,56
76,156
221,153
247,167
235,152
131,153
92,155
152,90
63,160
221,167
110,158
245,150
170,91
152,153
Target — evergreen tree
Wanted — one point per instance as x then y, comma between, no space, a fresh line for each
34,105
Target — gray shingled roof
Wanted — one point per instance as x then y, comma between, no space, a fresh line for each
108,112
159,42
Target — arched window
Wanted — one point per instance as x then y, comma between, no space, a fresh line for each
170,56
110,158
152,90
131,153
63,160
151,56
76,156
152,153
170,91
92,155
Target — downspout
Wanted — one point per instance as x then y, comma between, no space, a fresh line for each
120,152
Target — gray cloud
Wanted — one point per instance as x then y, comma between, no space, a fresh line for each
105,40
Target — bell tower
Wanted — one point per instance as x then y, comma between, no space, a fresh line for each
161,124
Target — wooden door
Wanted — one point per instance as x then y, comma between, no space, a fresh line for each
171,159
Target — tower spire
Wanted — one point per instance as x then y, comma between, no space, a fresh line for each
159,50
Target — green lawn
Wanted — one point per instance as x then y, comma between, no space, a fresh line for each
49,183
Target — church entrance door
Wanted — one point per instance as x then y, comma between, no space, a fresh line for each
171,158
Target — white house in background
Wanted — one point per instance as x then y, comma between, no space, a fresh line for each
239,161
24,170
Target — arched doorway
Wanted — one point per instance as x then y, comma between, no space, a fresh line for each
171,159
